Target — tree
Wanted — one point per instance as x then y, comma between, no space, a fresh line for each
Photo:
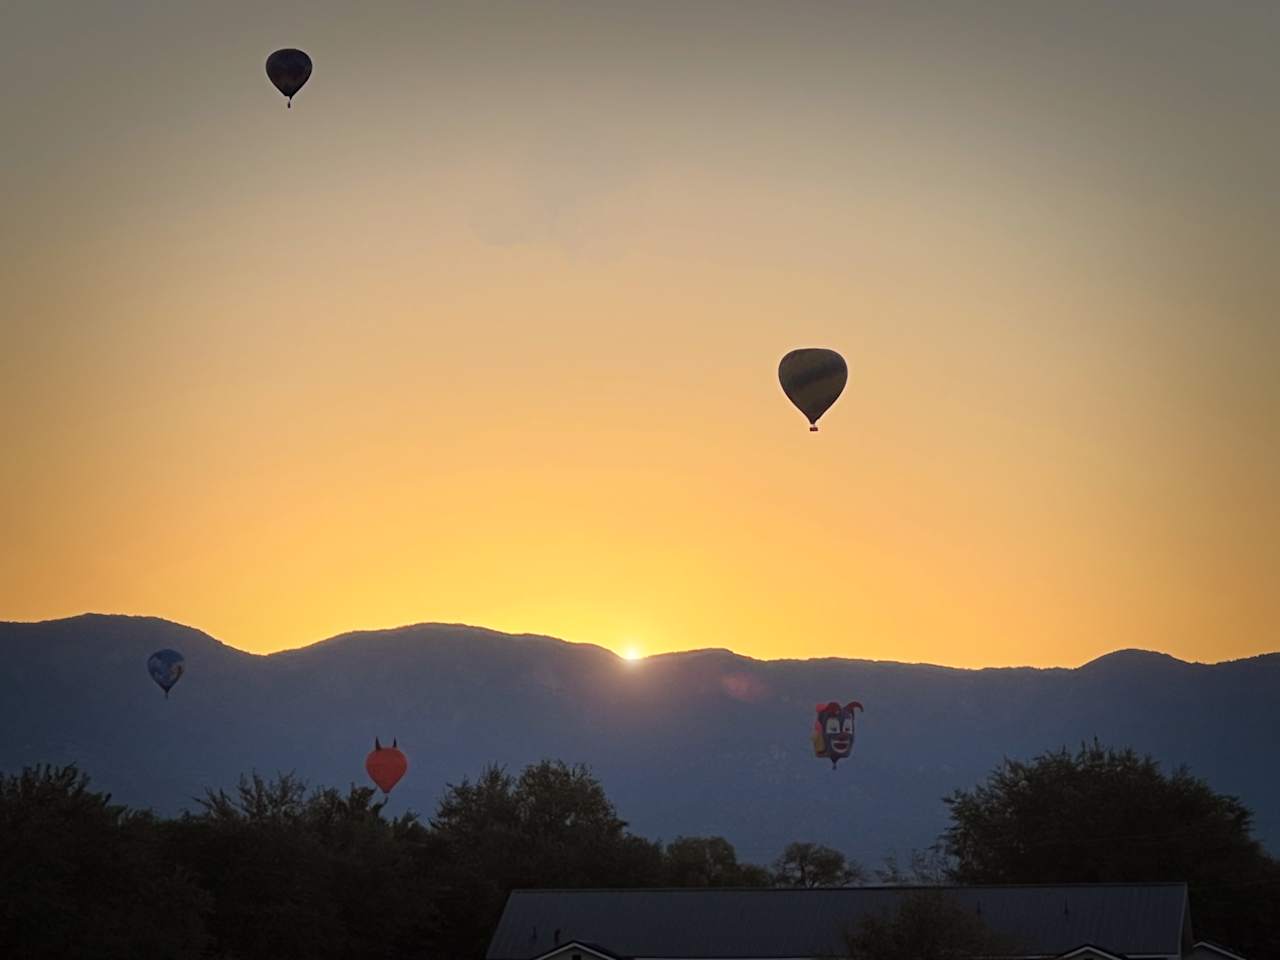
81,875
927,925
257,800
709,862
319,874
1104,815
924,868
552,826
813,865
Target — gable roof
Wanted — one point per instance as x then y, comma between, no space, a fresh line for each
1089,952
577,946
1133,919
1209,945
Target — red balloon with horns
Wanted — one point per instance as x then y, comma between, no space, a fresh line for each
386,765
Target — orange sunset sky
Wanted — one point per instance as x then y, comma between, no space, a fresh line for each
485,329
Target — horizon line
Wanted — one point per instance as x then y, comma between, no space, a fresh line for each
636,661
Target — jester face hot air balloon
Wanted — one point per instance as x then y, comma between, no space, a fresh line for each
833,730
813,379
289,69
385,765
166,667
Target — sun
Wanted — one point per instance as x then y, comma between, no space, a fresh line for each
632,654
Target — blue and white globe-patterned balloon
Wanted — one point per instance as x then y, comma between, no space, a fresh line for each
166,667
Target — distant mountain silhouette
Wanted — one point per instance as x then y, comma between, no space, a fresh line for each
705,742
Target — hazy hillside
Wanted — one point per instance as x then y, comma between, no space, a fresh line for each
698,743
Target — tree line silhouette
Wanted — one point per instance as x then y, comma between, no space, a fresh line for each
273,869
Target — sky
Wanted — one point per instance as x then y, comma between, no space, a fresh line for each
485,328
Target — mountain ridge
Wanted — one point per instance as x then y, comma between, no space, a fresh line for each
702,742
348,635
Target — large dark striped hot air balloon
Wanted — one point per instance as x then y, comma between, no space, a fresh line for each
289,69
812,379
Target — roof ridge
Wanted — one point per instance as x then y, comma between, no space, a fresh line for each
885,886
1128,919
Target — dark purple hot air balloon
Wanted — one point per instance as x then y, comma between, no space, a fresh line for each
289,69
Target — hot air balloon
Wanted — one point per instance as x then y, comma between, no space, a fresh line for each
385,765
812,379
166,667
833,730
289,69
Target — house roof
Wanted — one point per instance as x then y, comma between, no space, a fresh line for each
1088,950
1133,919
1217,948
577,946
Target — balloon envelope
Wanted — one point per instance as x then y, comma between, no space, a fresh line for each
166,668
289,69
833,730
812,379
385,766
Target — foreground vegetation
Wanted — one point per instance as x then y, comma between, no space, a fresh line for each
274,870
